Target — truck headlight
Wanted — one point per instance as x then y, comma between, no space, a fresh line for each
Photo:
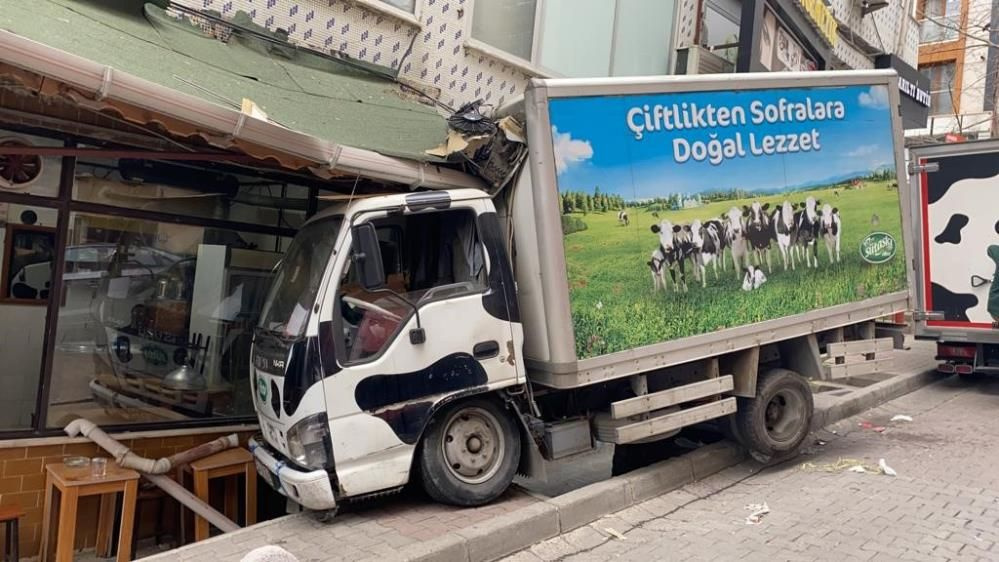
309,441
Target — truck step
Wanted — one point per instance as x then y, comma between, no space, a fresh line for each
671,422
862,357
671,397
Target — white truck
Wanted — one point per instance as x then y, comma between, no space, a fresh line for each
674,250
955,187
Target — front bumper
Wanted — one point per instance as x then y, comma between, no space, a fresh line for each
311,489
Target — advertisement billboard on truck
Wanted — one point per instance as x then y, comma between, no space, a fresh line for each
690,212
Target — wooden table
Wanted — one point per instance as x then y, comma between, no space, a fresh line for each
74,483
228,463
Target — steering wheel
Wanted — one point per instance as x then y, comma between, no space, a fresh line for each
371,306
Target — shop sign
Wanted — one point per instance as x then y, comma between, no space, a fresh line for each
823,19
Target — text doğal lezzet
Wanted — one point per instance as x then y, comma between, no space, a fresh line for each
690,116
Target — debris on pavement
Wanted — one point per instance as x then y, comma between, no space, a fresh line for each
269,553
870,426
901,418
820,443
885,469
617,534
839,466
858,468
759,510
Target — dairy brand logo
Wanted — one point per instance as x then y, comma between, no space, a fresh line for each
262,389
877,247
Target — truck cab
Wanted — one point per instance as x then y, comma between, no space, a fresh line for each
387,317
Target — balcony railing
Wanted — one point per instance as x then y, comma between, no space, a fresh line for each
940,28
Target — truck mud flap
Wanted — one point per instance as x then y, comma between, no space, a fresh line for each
862,357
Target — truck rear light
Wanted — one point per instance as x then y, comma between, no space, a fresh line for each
946,368
965,369
949,351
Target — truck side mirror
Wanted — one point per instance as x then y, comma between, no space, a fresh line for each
367,256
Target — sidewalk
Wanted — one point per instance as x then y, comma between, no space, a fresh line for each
410,527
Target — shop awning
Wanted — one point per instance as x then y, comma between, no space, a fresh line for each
138,61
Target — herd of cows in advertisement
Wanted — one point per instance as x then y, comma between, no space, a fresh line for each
748,234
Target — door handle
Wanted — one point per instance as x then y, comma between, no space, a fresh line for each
485,350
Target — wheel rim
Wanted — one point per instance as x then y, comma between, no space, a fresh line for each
784,414
473,445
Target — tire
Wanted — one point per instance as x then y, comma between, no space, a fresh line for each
776,422
469,453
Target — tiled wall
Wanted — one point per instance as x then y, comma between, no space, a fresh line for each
22,483
439,60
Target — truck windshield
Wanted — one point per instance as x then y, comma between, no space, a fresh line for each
296,282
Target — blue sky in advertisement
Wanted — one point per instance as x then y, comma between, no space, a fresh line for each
794,147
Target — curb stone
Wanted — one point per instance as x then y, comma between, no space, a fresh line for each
870,397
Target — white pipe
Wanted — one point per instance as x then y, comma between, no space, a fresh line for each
222,122
157,468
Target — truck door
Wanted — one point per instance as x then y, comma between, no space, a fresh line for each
959,195
445,326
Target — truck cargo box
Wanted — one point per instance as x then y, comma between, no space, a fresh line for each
956,224
678,218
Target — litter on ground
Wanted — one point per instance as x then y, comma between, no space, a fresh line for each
901,418
870,426
617,534
885,469
839,466
759,510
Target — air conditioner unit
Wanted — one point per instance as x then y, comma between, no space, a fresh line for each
698,60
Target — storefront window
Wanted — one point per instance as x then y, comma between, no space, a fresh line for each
156,320
27,236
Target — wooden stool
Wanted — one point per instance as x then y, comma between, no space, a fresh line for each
228,463
74,483
9,516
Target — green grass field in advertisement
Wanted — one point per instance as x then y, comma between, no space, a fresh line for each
695,156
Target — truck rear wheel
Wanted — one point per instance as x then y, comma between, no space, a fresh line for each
469,453
775,423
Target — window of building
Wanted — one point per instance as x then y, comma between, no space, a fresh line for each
28,240
602,38
404,5
942,88
720,31
156,319
427,257
941,20
507,25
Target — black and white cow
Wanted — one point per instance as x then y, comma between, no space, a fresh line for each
759,232
830,227
675,247
786,232
622,218
962,206
735,239
808,220
708,241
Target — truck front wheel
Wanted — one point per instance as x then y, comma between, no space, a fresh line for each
775,423
469,453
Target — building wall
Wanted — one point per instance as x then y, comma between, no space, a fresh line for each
970,59
23,482
440,62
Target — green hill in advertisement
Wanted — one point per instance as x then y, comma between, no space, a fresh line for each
689,213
